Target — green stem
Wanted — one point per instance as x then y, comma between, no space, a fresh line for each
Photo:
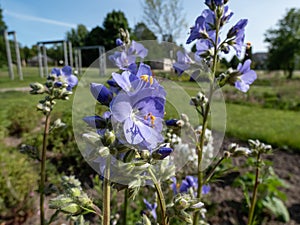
205,121
161,198
43,170
211,172
106,194
254,193
125,207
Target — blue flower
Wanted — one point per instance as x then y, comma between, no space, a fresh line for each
247,76
132,83
125,59
237,35
171,122
162,151
101,93
188,183
151,208
138,118
119,42
198,31
183,62
66,74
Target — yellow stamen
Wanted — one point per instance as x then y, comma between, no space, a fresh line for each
147,78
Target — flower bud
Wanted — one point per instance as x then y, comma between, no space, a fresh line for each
108,138
71,208
37,88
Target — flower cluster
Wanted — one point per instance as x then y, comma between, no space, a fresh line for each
209,44
59,85
135,106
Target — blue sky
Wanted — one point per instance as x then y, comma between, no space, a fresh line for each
50,20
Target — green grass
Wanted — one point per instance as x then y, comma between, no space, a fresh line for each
277,127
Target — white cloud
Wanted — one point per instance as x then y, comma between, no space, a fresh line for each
39,19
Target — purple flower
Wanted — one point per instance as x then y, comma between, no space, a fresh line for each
183,62
132,83
171,122
247,76
227,14
138,118
66,74
213,3
162,152
101,93
151,208
197,31
119,42
125,59
188,183
237,35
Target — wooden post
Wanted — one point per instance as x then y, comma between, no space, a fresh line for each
40,61
8,54
19,65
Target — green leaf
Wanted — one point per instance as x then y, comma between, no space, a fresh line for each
277,207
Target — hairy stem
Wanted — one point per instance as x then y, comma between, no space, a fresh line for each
106,194
161,199
254,193
43,170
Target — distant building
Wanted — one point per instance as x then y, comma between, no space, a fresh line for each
259,60
34,61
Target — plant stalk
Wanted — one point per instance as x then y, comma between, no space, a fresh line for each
43,170
106,194
161,199
205,120
125,207
254,193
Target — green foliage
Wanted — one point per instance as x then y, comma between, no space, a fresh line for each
112,23
284,43
18,181
77,36
270,198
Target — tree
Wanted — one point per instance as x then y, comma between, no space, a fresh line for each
165,18
3,27
284,43
77,36
142,32
112,23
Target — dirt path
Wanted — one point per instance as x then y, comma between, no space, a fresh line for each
24,89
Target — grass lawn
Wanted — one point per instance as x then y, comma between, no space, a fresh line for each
277,127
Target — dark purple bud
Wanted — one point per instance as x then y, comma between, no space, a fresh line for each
171,122
101,93
119,42
164,152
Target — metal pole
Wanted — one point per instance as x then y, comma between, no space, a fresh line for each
45,59
65,53
70,53
40,61
19,66
8,54
79,61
